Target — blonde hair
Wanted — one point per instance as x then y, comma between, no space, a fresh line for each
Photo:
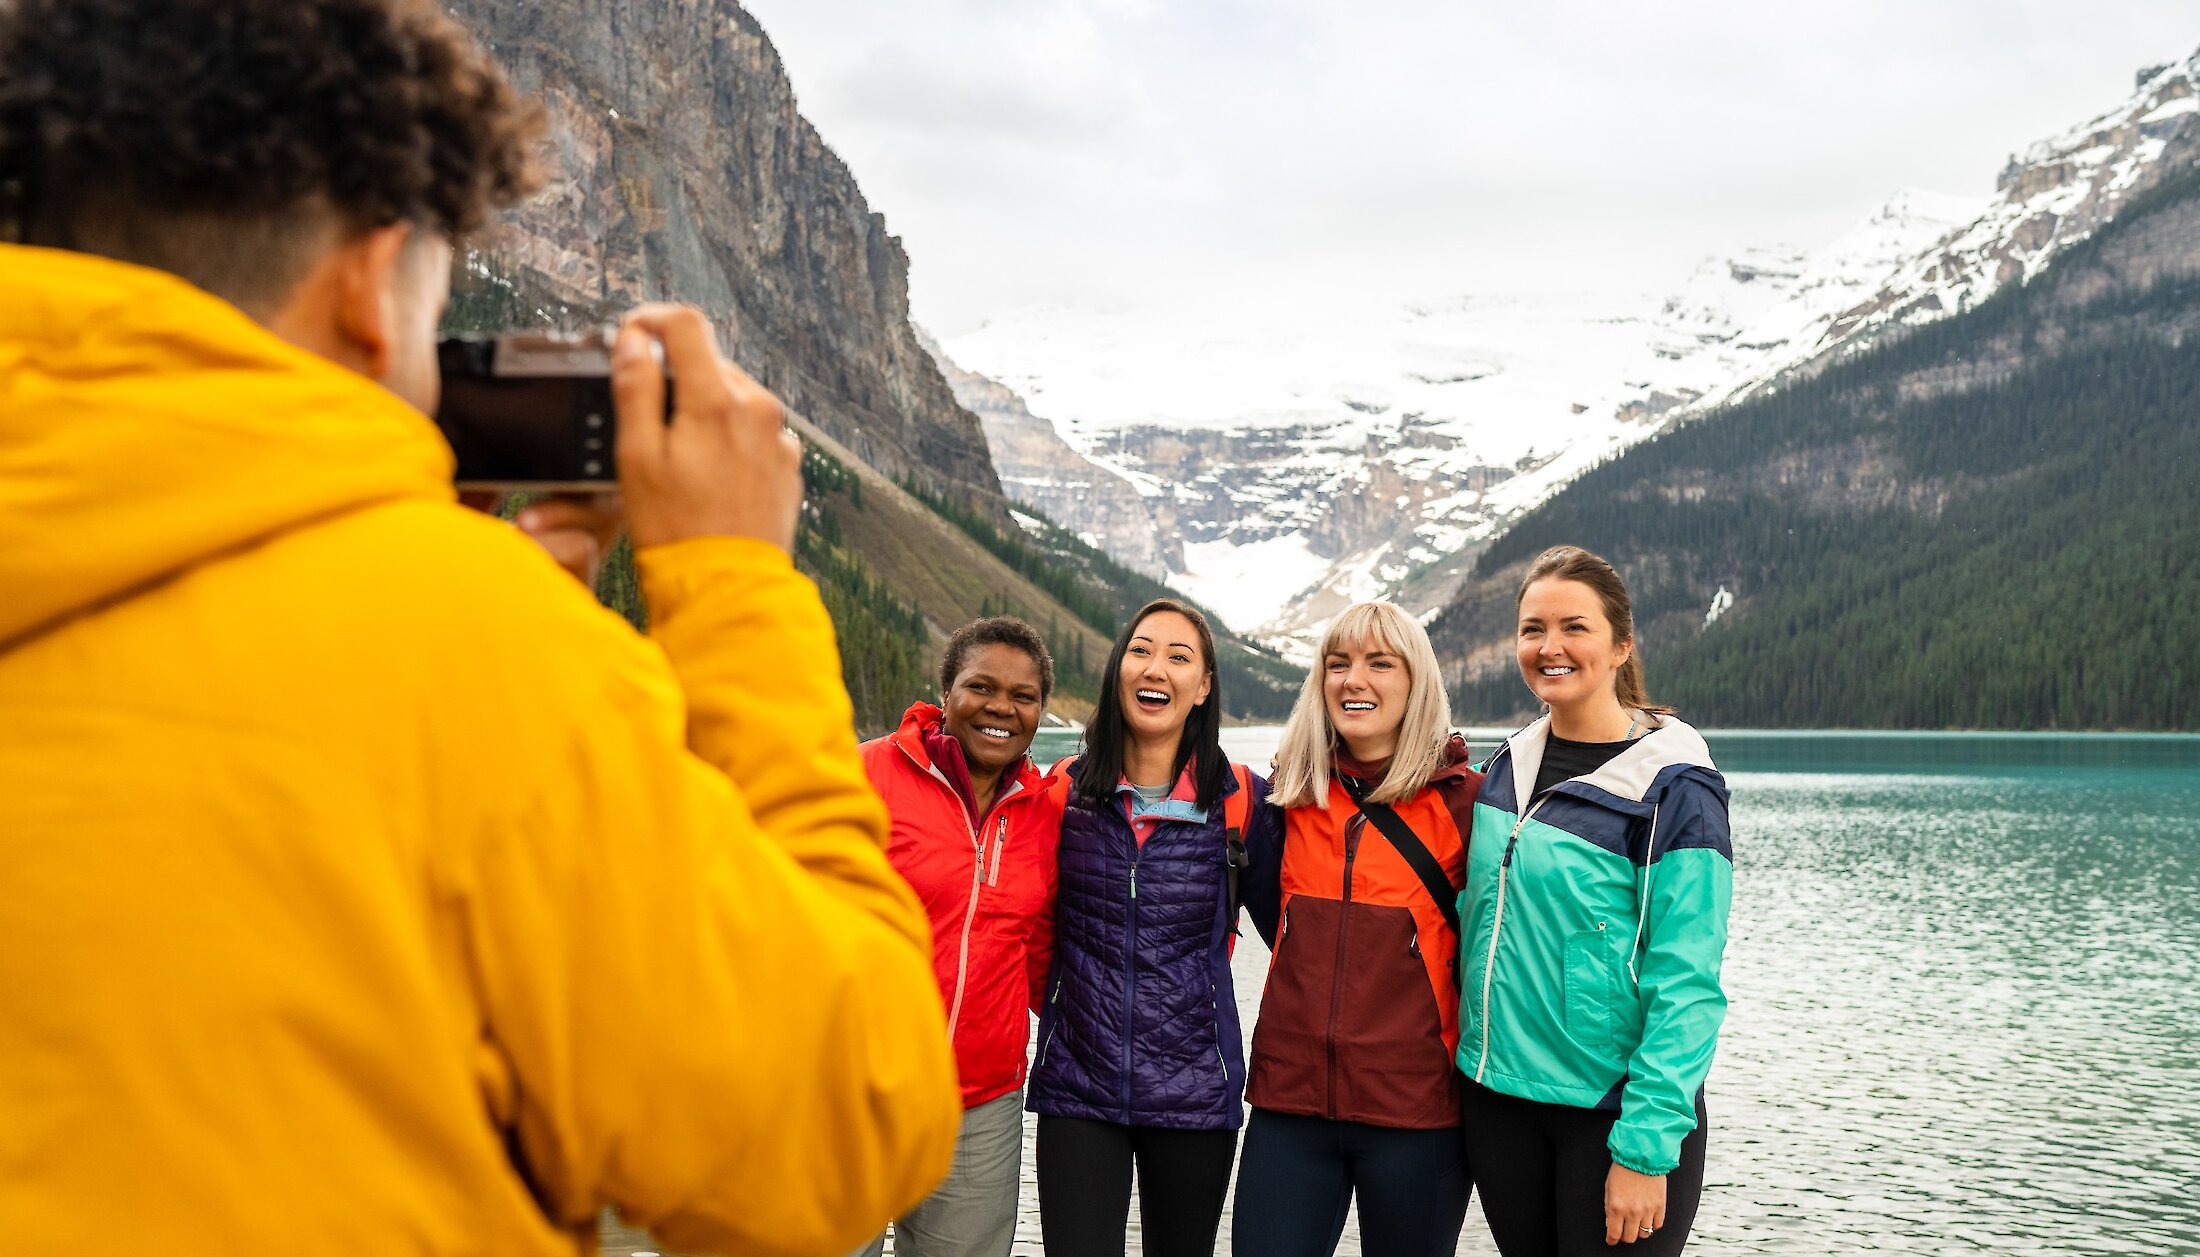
1305,761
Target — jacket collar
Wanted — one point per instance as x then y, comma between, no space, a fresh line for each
1456,763
1453,763
1066,772
927,718
1182,803
1628,780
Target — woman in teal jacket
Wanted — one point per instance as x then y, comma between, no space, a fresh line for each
1594,916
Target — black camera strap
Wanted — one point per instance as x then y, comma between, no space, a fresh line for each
1417,856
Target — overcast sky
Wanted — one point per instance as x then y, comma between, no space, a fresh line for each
1124,152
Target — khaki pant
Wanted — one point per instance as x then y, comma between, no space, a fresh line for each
973,1213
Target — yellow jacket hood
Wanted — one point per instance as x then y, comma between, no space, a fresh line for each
139,426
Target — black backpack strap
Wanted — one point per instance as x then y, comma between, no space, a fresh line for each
1417,855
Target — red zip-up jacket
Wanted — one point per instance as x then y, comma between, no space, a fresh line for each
1360,1017
988,889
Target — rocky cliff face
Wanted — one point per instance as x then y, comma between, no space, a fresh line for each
683,170
1040,470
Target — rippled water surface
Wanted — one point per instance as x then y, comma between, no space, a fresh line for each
1965,976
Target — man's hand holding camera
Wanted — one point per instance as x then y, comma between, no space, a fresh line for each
722,465
725,464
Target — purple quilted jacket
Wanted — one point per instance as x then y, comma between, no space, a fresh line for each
1140,1025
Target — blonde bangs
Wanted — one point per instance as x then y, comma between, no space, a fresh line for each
1364,625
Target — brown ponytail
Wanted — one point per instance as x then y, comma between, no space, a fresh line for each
1576,564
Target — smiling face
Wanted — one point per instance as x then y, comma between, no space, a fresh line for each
1566,649
993,708
1164,676
1365,688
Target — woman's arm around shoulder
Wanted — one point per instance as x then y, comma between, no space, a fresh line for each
1260,884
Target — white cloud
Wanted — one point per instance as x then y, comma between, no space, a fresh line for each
1132,150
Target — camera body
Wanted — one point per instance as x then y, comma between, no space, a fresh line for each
530,410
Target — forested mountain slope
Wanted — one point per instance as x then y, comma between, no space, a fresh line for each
1988,522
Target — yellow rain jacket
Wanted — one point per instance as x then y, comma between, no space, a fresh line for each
367,889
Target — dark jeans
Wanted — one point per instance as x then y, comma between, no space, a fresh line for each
1085,1187
1541,1168
1300,1174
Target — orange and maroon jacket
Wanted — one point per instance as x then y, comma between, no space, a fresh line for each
987,888
1376,1048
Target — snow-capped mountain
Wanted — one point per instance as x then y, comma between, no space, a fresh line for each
1323,457
2047,199
1302,459
1127,517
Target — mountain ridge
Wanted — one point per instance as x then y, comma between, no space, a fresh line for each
1422,512
1986,521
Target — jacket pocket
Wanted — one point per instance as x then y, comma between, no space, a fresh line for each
1290,1060
1222,1058
1590,987
1050,1021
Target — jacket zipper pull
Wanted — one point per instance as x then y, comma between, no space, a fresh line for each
1514,842
1134,879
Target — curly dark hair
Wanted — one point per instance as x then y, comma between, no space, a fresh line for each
999,630
191,134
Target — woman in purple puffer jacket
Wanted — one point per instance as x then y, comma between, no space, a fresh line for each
1140,1056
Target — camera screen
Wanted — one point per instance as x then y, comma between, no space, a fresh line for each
529,432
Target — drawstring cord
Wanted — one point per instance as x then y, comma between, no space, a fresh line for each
1642,894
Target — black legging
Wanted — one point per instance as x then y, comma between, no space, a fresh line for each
1540,1170
1085,1187
1300,1175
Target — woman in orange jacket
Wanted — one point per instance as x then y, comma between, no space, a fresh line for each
1352,1086
974,832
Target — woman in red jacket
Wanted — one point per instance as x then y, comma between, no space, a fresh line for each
974,832
1352,1084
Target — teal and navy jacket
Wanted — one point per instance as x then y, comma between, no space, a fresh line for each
1592,927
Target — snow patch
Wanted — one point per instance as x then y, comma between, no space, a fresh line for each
1252,583
1721,603
2172,109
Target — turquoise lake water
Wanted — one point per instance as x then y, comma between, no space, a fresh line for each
1965,984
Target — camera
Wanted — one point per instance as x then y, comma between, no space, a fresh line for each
530,410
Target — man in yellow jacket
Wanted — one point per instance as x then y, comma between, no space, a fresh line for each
364,887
